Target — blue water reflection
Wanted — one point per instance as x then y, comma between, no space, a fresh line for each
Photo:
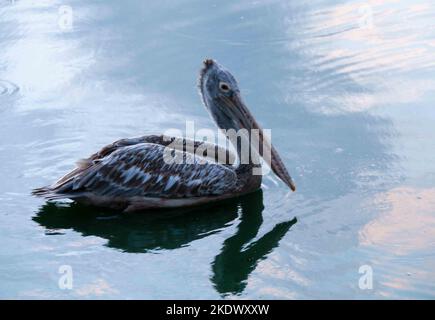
346,86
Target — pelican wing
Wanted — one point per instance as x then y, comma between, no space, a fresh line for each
146,170
219,154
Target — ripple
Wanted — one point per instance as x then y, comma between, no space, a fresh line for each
8,88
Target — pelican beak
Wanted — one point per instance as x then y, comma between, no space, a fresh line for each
280,170
244,119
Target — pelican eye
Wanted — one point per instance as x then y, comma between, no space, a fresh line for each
225,87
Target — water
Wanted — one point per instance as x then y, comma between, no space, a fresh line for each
345,86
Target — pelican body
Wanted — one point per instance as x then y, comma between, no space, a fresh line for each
132,174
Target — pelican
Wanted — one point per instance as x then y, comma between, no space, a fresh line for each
132,174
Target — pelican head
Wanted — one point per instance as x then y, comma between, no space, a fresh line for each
221,96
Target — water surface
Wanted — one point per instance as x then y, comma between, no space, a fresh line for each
347,88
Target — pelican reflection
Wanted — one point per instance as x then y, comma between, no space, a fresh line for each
153,232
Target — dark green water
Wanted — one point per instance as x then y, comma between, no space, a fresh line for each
347,88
